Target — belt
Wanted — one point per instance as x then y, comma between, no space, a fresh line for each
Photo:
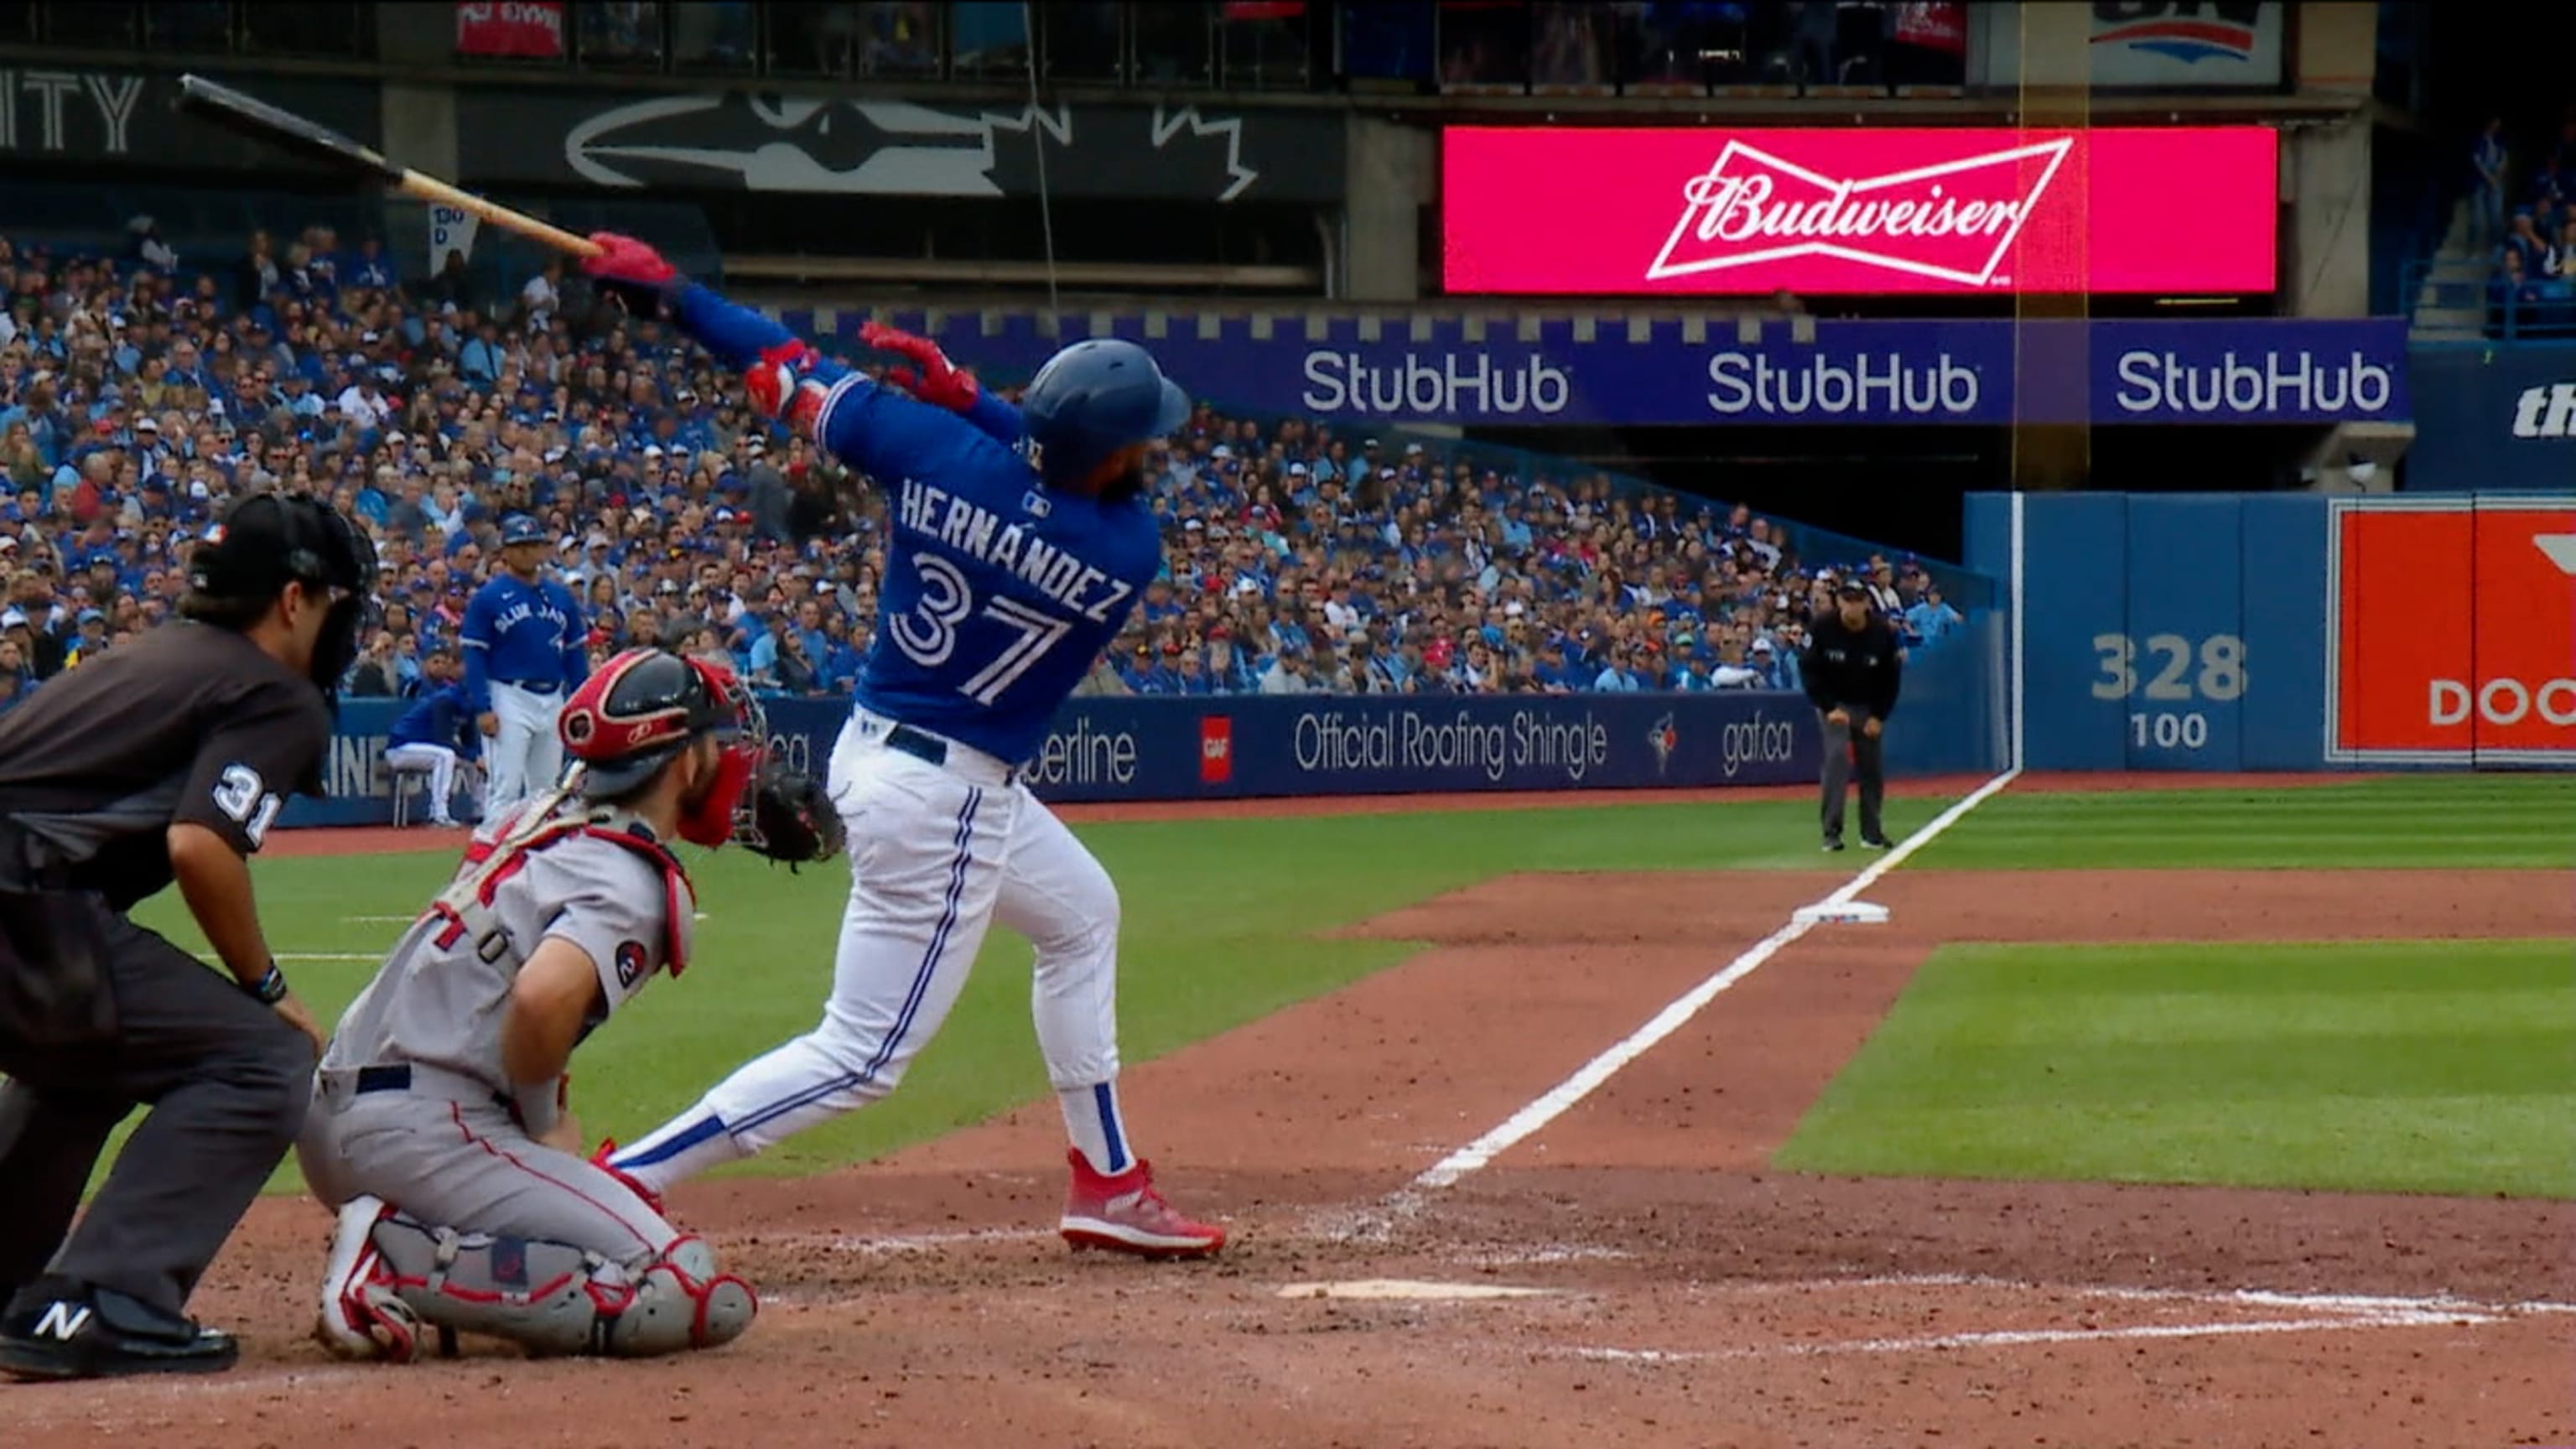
533,686
428,1081
937,750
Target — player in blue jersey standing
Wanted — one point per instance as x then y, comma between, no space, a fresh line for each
523,657
1016,546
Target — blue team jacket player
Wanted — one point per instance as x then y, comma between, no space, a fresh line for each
1016,547
523,643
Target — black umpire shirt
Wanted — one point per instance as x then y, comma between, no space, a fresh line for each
189,722
1852,669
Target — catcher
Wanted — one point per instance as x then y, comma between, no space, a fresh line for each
439,1128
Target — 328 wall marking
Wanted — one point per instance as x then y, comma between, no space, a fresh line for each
2174,671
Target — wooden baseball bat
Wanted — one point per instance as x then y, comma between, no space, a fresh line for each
287,131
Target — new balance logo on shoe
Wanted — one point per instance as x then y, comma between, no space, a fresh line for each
62,1321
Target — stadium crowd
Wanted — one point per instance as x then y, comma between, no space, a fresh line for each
139,392
2531,243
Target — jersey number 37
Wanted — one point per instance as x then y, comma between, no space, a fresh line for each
927,634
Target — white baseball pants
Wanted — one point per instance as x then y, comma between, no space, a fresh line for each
526,756
436,761
937,853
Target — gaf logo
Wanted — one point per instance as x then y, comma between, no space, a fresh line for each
1952,221
1216,749
2546,411
2451,632
2186,32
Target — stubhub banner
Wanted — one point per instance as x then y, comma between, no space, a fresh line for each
1232,746
1985,372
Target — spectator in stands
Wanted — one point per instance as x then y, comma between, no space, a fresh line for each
2512,294
451,288
2525,240
147,247
1931,617
2487,157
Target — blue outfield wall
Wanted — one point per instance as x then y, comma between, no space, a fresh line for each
2209,631
2166,631
1237,746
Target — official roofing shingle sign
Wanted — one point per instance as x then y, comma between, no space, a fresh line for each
1702,210
1966,372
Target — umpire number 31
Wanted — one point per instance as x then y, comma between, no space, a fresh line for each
2169,672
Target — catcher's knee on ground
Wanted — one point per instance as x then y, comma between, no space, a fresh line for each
554,1298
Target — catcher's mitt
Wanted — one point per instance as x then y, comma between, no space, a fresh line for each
788,818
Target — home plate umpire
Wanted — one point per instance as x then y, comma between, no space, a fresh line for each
165,759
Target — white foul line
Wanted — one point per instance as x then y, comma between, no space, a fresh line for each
1602,1068
2015,1337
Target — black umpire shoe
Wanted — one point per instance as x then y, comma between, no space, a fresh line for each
1878,842
1833,842
78,1332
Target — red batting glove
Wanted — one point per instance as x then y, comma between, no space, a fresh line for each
933,379
782,386
633,272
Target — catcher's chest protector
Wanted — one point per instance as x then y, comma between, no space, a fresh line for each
466,905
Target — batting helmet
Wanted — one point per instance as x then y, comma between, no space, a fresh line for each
1094,398
642,708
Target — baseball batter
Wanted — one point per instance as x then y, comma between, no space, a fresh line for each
438,1106
523,641
1008,570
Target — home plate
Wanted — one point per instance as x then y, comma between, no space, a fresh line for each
1851,913
1409,1289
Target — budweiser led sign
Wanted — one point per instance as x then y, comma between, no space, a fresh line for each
1594,212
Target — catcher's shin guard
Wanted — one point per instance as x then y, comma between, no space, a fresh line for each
555,1299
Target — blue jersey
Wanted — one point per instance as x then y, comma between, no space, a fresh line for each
521,633
998,593
440,717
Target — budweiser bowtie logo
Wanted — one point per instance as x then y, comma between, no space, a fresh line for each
1952,220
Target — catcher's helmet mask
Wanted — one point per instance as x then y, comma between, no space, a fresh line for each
641,711
265,542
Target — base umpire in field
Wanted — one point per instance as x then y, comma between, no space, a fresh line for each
166,759
1852,668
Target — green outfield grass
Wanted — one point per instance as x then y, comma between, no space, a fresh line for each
1228,920
2393,1066
2454,820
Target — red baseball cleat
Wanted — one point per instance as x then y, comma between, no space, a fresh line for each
1124,1214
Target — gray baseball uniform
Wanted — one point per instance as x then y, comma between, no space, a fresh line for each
411,1104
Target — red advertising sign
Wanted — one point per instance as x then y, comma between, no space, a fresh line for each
1216,749
524,29
1622,211
2453,632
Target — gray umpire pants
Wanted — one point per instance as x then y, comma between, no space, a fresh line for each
1847,750
139,1022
